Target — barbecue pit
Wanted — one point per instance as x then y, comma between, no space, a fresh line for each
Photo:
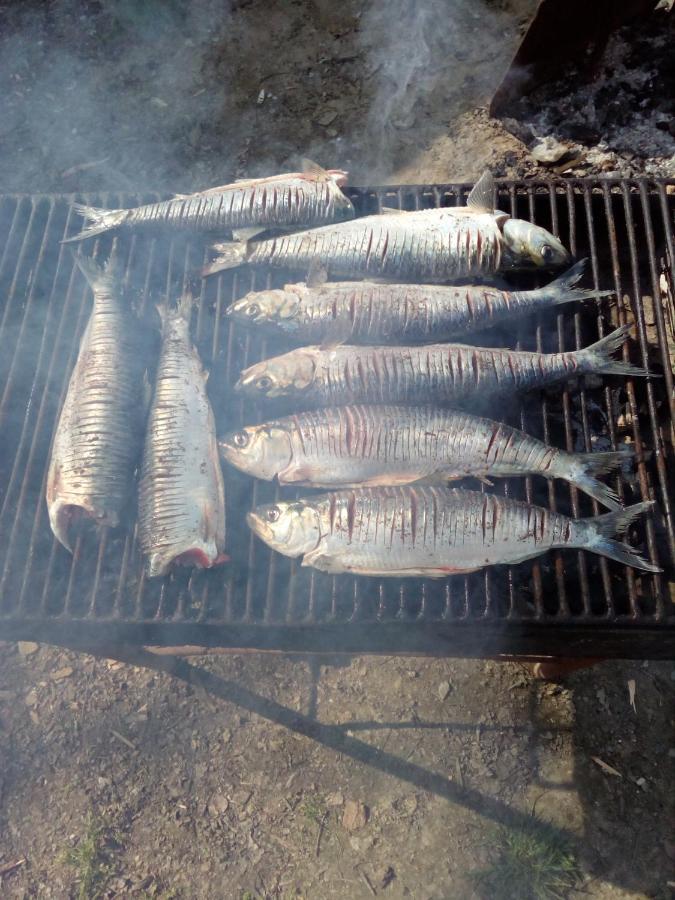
567,604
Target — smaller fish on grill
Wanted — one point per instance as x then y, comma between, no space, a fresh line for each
427,245
420,373
181,516
432,532
368,312
98,434
293,200
359,446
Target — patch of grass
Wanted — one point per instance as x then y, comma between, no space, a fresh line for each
313,809
91,859
533,862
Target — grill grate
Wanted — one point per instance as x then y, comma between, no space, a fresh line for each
568,603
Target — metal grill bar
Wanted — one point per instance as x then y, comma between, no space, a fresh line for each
569,603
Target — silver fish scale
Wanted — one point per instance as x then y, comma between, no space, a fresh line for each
432,530
298,201
351,444
447,371
97,437
181,494
432,245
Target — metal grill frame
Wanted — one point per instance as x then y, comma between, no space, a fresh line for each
378,616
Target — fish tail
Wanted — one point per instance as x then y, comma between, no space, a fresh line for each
598,357
563,289
99,276
101,219
587,466
602,528
230,255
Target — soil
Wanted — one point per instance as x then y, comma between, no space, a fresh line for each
402,766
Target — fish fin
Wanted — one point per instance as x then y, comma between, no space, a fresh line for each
230,256
587,466
311,168
247,234
605,526
101,219
392,211
481,196
317,274
184,306
182,196
320,560
598,357
562,290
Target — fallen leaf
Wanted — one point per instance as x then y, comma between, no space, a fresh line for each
26,648
609,770
631,693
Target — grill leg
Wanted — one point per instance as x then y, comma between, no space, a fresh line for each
561,668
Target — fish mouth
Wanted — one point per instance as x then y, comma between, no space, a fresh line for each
203,556
259,527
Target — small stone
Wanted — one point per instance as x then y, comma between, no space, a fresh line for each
549,150
327,117
31,698
355,815
444,689
217,805
26,648
335,799
60,674
226,735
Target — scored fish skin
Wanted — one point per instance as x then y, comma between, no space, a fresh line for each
294,199
431,531
448,372
97,438
181,517
370,312
432,245
358,446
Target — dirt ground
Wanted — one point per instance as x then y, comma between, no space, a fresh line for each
116,781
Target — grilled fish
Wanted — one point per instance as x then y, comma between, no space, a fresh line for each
368,312
293,200
358,446
432,532
181,517
97,438
448,372
431,245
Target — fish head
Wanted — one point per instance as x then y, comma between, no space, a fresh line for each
288,375
273,307
259,450
532,245
290,527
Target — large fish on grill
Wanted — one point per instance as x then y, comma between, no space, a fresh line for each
432,532
446,372
355,446
431,245
97,439
292,200
369,312
181,516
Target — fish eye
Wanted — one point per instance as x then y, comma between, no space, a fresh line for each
264,383
241,438
273,514
252,310
547,253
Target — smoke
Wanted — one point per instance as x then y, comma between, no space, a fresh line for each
430,61
95,93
